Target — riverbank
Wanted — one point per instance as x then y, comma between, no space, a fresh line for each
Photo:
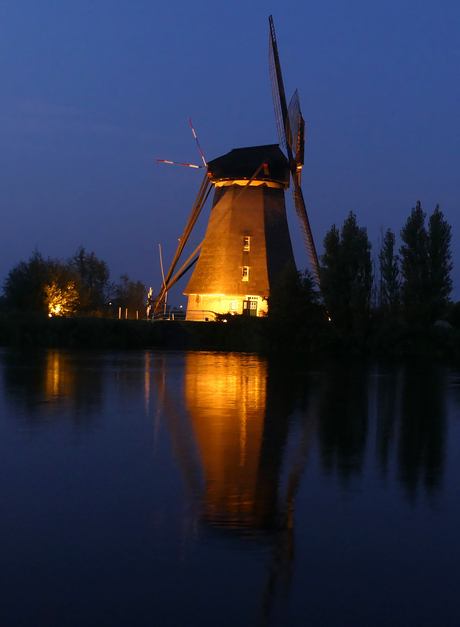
256,335
26,330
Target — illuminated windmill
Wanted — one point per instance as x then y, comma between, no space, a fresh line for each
247,243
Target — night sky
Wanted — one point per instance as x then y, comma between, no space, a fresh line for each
94,91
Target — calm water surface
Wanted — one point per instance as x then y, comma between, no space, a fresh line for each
211,489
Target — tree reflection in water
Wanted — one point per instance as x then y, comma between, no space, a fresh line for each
411,421
50,384
343,418
232,440
242,429
421,449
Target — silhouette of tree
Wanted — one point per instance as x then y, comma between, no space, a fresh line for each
294,309
425,266
346,275
131,295
390,287
95,290
414,266
35,285
439,238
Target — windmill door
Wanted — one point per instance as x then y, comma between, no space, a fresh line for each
250,306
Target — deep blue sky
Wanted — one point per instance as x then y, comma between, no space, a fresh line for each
94,91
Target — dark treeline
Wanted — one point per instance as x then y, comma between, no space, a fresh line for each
399,306
80,286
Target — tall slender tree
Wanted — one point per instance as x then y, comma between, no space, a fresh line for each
389,285
332,274
346,277
425,266
414,266
440,265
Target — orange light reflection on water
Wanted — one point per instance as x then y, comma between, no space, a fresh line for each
226,399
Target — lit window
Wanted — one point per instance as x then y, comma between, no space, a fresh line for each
246,243
245,273
233,305
253,302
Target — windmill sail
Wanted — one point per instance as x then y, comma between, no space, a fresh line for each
291,131
297,130
278,93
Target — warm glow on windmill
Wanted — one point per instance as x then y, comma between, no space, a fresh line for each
248,205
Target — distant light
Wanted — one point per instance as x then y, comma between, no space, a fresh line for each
50,315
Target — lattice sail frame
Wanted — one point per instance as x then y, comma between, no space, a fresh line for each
291,132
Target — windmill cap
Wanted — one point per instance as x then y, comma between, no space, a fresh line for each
242,163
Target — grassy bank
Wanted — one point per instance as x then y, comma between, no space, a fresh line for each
40,331
239,334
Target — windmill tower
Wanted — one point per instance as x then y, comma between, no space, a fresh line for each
247,243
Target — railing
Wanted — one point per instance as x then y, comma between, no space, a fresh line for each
198,315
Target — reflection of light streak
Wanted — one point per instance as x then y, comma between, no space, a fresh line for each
55,372
59,378
147,382
243,435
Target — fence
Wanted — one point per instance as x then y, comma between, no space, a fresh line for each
198,315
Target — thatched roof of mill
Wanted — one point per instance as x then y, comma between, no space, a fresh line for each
242,163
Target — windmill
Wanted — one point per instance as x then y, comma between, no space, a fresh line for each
247,243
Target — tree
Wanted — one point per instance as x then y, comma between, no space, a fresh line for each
332,273
294,310
95,280
440,266
131,295
346,275
61,301
34,286
25,282
425,266
414,266
389,288
294,296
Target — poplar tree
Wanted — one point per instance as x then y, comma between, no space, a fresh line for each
439,253
332,275
389,288
414,266
346,275
425,266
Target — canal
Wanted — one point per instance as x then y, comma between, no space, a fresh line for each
221,489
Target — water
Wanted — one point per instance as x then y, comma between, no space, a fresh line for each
146,488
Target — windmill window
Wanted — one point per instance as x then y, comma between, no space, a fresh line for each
245,273
246,244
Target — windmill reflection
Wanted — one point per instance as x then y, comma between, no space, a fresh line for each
226,399
231,444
